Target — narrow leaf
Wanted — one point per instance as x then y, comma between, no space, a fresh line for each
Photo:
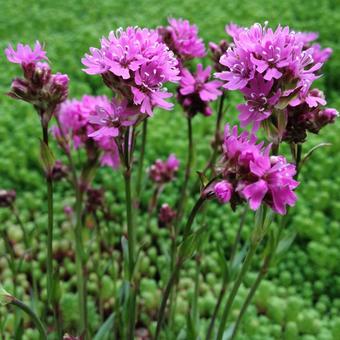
285,243
105,328
5,297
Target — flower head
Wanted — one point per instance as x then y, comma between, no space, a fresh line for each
82,123
273,69
195,90
39,86
111,118
249,173
164,171
24,55
182,38
134,63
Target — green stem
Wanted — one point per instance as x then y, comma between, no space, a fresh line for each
216,141
166,293
217,307
80,265
49,185
238,234
141,160
253,289
234,291
195,313
182,199
178,266
33,316
262,273
127,157
226,279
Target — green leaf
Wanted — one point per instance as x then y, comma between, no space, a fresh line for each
5,297
191,332
285,243
106,328
223,263
191,243
47,157
236,264
311,151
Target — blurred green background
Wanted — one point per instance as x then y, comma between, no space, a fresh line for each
306,284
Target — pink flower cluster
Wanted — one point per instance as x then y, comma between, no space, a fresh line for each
135,64
196,91
166,215
77,119
273,69
182,38
164,171
250,173
39,86
307,116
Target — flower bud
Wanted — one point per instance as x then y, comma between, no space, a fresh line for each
166,215
223,191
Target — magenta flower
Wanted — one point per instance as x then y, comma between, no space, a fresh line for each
182,38
260,102
25,55
249,173
273,52
39,87
273,69
239,71
135,64
118,116
223,191
195,91
275,184
148,93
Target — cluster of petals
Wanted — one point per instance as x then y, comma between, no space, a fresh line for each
38,86
250,173
269,65
24,54
164,171
134,63
197,90
78,122
182,38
